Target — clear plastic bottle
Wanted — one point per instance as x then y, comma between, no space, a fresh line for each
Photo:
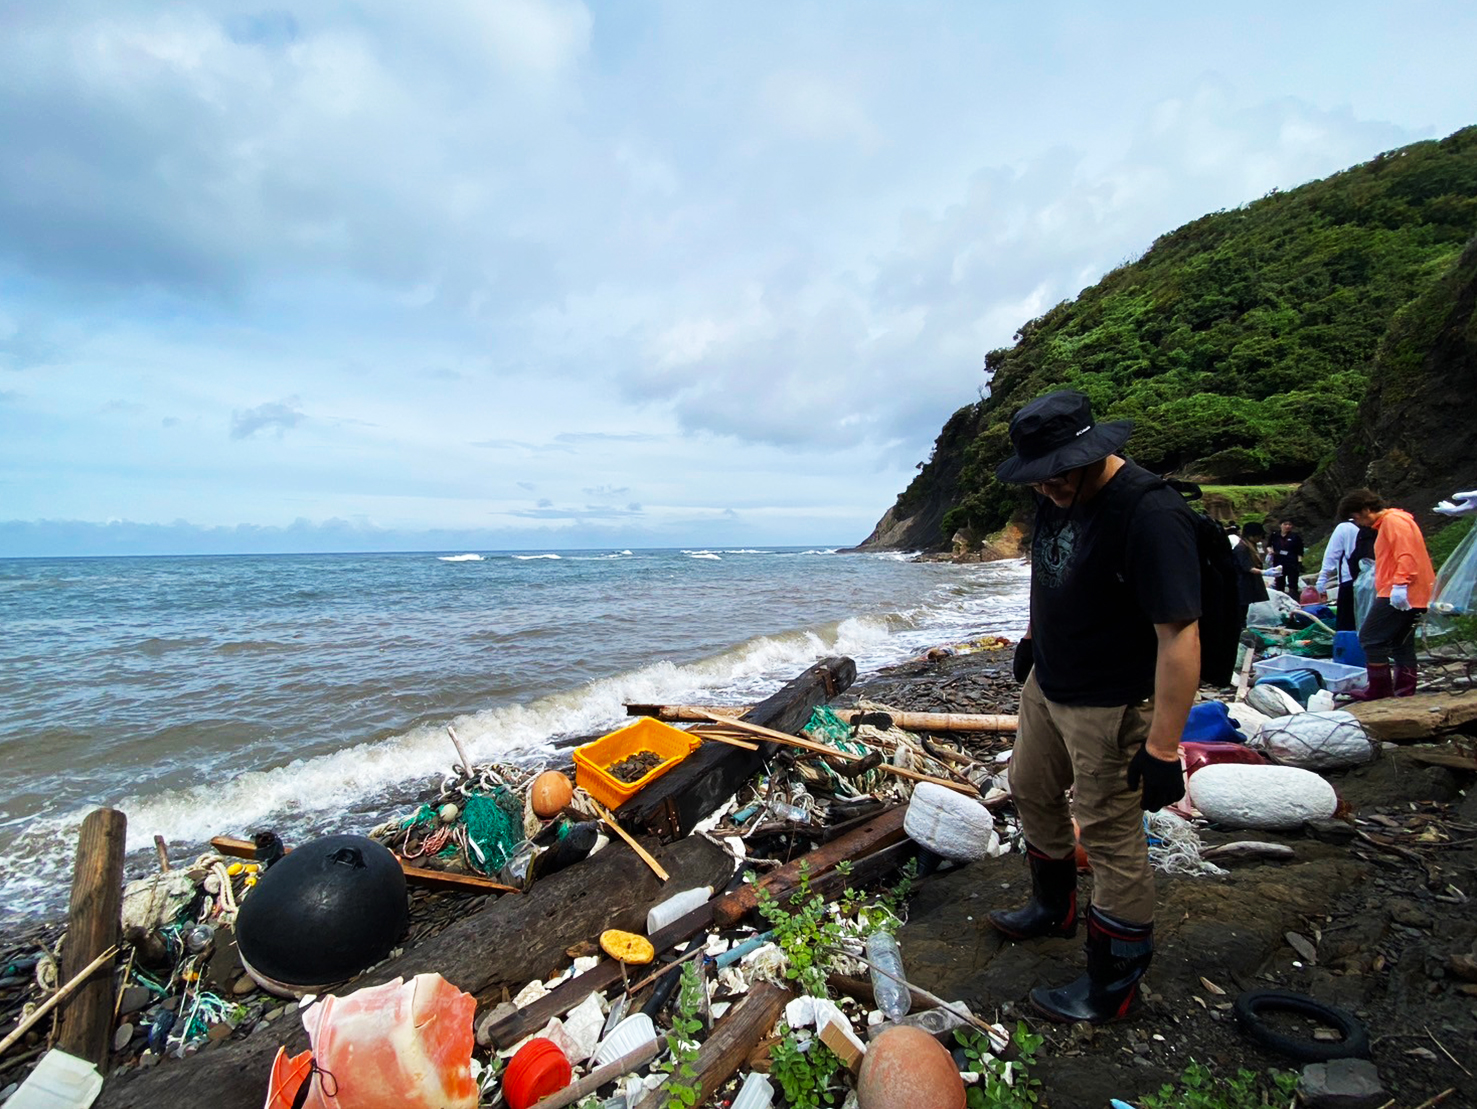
892,994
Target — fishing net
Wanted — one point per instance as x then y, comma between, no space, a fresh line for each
1174,847
824,726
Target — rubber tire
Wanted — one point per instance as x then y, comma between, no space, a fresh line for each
1253,1003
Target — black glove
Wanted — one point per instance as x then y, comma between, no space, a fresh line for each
1164,782
1025,658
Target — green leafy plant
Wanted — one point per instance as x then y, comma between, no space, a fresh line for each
805,932
1002,1085
804,1076
680,1087
1199,1088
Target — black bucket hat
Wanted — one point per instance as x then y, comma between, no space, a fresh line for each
1056,433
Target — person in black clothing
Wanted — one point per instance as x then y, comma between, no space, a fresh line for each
1109,665
1251,587
1287,556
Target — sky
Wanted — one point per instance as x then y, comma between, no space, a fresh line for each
517,274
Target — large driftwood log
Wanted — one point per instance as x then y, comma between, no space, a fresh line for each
1417,719
93,927
673,804
509,942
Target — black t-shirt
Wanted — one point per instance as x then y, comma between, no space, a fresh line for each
1092,630
1287,550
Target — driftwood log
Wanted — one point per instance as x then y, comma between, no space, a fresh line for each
94,926
509,942
1417,719
673,805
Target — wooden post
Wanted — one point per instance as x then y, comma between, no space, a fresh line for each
93,926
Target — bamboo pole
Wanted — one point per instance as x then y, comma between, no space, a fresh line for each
613,824
57,998
908,721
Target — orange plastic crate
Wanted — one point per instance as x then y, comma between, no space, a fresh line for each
592,761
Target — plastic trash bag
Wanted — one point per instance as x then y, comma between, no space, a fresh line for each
403,1045
1363,591
1316,740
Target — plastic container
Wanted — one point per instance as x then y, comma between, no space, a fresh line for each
593,760
892,996
538,1069
1299,684
1337,677
755,1093
1346,649
675,907
637,1030
60,1081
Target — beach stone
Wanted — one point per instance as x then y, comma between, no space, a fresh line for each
12,1088
273,1014
219,1032
170,1003
1341,1084
134,998
123,1036
243,985
1409,914
148,1059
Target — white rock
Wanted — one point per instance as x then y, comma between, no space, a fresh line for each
1268,797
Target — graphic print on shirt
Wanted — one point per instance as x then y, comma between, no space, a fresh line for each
1053,552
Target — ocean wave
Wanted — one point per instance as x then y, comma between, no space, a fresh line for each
704,554
459,558
531,558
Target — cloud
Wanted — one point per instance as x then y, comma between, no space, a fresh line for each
279,416
605,491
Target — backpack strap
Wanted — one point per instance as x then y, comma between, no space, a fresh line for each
1118,512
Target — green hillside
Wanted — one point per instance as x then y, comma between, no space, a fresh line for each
1241,344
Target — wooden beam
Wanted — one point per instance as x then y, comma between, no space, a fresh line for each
414,875
741,1028
879,832
94,925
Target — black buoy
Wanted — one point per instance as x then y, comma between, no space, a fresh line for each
322,914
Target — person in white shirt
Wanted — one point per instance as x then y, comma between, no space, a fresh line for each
1337,574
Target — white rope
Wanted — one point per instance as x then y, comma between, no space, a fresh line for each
1178,851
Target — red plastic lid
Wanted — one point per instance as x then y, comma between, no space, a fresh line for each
537,1069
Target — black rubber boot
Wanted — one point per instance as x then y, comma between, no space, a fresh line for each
1118,954
1052,910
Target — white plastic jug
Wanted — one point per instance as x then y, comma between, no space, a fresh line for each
755,1093
676,907
60,1081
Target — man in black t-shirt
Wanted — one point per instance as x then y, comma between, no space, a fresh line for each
1110,666
1287,556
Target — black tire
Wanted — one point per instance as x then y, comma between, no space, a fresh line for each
1253,1003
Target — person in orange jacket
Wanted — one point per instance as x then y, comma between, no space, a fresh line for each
1403,582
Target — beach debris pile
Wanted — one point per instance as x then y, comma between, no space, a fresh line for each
781,980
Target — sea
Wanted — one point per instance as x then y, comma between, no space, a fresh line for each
310,694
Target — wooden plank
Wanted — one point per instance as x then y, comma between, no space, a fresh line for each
512,1027
414,875
741,1028
879,832
672,806
645,855
94,926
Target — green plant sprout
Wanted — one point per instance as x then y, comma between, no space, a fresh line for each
1199,1088
804,1076
1002,1085
681,1087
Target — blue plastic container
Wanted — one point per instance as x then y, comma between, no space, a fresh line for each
1298,684
1346,649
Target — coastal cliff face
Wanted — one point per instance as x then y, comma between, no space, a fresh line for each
1416,439
1318,339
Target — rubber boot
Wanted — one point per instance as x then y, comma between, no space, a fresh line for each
1379,686
1052,910
1404,682
1118,954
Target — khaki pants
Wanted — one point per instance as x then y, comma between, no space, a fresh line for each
1088,749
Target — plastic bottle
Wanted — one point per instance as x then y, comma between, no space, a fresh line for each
198,938
675,907
892,995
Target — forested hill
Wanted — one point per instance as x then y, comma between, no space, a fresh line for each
1244,346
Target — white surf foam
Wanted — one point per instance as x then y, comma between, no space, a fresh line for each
533,558
459,558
